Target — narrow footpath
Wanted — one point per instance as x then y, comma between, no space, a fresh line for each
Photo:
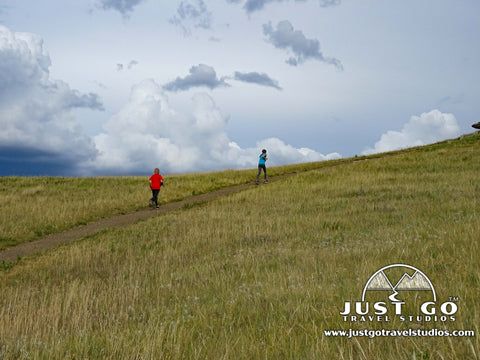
25,249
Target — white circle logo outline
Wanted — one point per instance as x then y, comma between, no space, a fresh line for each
399,265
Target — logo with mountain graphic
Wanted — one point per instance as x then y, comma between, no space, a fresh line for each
417,281
401,291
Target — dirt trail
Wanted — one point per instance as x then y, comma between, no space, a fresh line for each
115,221
52,240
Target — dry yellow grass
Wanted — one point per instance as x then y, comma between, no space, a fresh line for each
260,274
32,207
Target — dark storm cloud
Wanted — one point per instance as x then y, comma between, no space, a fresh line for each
285,37
38,128
200,75
257,78
22,161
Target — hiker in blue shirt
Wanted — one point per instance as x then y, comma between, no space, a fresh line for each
261,165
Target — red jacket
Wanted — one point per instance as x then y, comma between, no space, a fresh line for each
156,181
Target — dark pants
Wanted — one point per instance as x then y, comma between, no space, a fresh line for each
155,196
260,167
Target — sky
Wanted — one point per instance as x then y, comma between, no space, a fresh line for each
119,87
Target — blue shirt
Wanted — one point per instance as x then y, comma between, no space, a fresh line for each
262,160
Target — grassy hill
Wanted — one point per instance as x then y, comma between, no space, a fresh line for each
33,207
260,274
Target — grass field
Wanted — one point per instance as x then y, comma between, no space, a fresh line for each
32,207
260,274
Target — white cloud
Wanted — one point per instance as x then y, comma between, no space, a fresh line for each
148,133
36,111
39,134
419,130
281,153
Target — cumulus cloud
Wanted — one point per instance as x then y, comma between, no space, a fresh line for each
192,13
38,128
257,78
285,37
148,132
125,7
200,75
40,136
282,153
420,130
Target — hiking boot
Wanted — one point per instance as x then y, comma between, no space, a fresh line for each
265,181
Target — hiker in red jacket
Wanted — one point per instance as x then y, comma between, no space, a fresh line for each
156,181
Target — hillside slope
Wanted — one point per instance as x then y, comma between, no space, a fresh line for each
264,272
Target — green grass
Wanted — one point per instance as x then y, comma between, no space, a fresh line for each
32,207
262,273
